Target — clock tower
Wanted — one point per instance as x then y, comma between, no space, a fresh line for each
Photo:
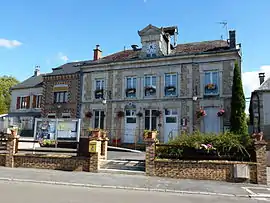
156,41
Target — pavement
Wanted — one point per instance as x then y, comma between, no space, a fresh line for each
128,182
42,193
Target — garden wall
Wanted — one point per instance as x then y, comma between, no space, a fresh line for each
201,170
206,169
2,159
56,162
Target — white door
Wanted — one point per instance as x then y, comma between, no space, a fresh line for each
211,120
170,124
130,126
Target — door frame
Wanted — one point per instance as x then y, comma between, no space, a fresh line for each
171,115
133,115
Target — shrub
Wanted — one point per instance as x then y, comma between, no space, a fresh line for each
223,146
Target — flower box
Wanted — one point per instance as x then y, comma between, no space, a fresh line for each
148,134
120,114
98,93
150,90
211,86
130,91
220,113
170,89
201,113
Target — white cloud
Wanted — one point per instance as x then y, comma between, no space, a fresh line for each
63,57
251,81
9,43
144,1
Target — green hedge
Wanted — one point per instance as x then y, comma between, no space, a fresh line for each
225,146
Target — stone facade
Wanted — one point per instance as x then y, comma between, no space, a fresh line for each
71,107
190,79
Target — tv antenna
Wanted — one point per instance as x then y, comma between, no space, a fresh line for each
225,26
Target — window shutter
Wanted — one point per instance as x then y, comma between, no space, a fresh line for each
18,102
28,102
34,102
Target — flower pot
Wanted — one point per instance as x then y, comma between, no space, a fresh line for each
96,133
150,135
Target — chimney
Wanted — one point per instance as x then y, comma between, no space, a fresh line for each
37,71
97,53
261,77
134,47
232,39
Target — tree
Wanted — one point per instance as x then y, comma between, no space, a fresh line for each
5,94
238,105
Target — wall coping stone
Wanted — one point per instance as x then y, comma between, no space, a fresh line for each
205,161
47,156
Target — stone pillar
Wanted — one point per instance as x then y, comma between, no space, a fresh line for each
94,163
104,148
150,157
261,159
12,143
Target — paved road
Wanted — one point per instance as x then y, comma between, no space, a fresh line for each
13,192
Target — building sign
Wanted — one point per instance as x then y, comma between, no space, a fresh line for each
57,129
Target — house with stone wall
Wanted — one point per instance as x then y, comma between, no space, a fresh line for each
259,108
160,85
61,92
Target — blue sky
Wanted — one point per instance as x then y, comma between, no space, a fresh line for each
49,33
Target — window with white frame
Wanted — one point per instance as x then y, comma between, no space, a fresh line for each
99,88
211,83
131,86
23,102
150,85
99,119
60,97
38,101
170,84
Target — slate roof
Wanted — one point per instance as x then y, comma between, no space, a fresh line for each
189,48
33,81
265,86
68,68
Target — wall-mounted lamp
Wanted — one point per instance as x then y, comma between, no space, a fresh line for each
104,101
194,98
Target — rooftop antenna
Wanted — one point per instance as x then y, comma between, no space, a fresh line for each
225,25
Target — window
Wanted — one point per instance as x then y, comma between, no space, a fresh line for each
211,83
99,88
131,87
150,85
23,102
130,116
60,97
170,84
150,120
99,119
37,101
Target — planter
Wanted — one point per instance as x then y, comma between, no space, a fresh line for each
14,132
88,114
150,135
96,134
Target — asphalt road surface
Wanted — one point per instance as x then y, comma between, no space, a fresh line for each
13,192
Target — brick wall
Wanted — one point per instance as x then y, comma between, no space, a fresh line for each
56,162
200,170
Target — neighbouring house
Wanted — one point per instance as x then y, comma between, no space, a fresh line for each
259,108
161,86
26,103
61,91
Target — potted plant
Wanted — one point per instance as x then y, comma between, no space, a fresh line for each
139,114
257,136
130,91
170,88
14,130
47,143
150,134
88,114
220,112
150,90
120,114
95,133
200,113
210,86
